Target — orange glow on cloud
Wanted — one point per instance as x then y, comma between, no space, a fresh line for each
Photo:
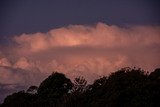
90,51
101,35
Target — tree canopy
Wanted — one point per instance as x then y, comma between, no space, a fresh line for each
127,87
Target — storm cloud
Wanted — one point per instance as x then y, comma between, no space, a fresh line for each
90,51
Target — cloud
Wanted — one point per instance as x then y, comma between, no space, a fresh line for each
7,89
17,79
101,35
10,75
90,51
111,46
4,62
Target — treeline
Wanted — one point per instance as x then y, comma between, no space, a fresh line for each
127,87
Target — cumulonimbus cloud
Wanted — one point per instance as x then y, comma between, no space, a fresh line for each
90,51
101,35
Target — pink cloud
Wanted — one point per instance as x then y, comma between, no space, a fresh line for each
90,51
100,35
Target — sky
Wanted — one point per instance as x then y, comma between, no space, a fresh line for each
90,38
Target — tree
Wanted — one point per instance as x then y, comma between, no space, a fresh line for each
153,88
77,93
155,75
122,88
79,85
32,90
127,87
53,88
19,99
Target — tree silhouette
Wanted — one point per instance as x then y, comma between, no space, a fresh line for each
53,88
127,87
32,90
79,84
19,99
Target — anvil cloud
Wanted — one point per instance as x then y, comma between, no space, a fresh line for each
90,51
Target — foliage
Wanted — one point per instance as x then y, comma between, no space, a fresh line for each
19,99
32,89
79,85
53,88
127,87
